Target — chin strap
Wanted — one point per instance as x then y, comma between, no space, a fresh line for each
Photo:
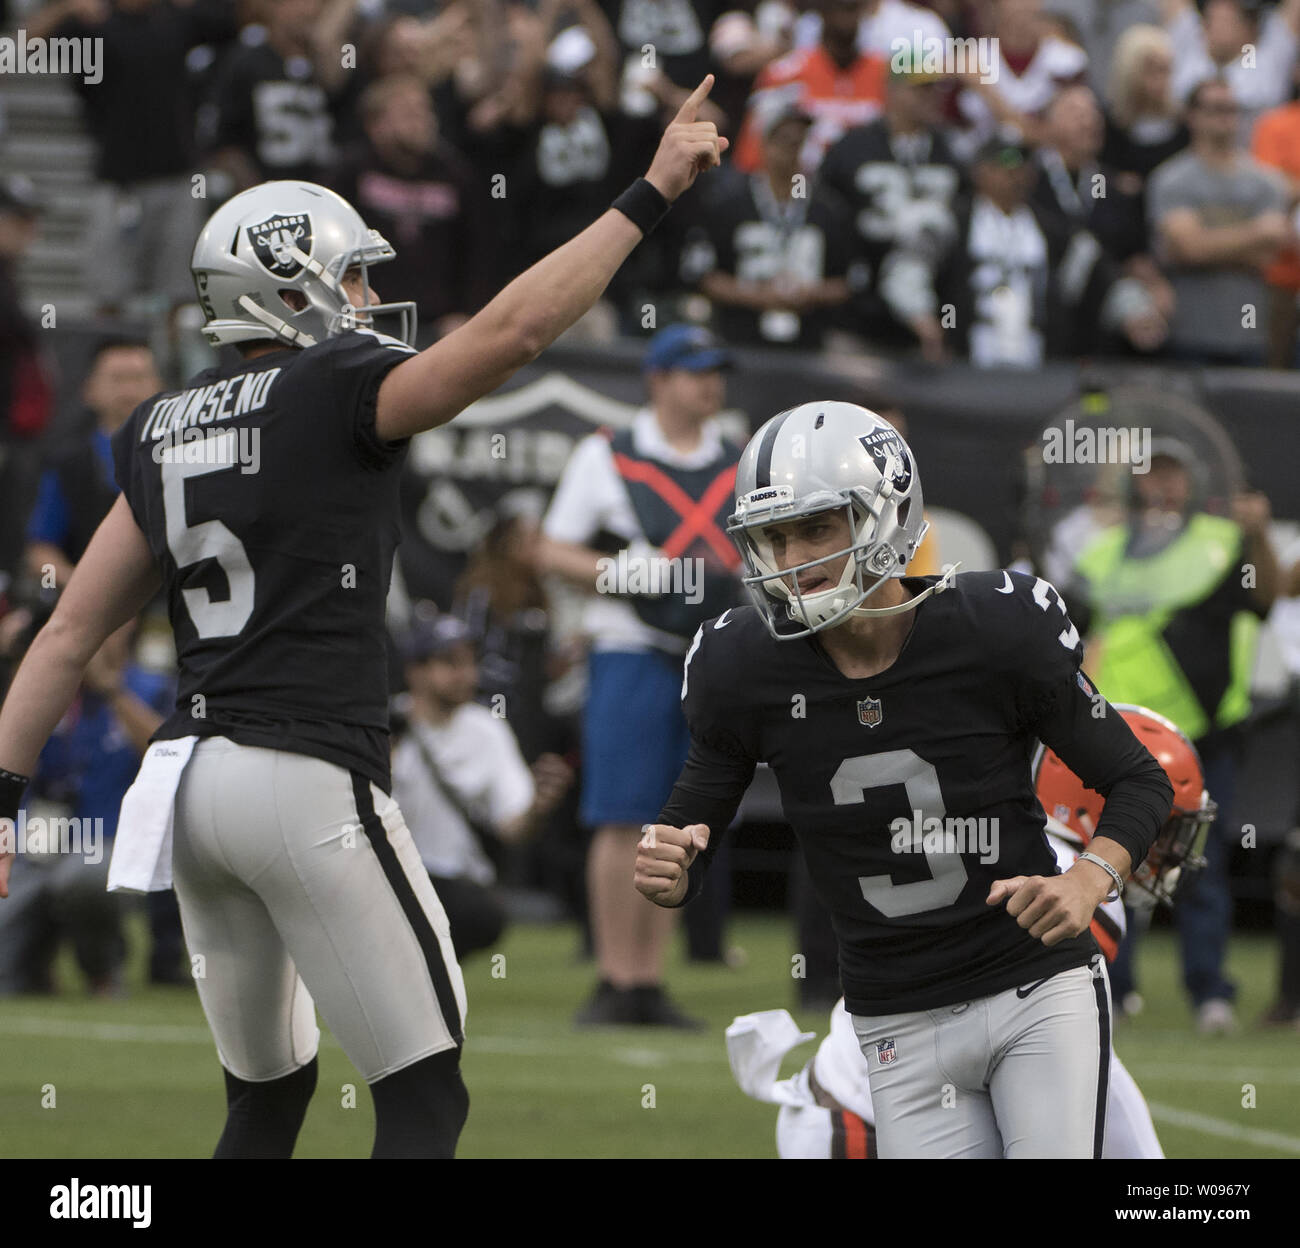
281,328
937,588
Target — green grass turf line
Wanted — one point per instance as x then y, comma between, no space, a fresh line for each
139,1078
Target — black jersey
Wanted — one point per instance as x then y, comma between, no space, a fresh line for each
898,189
271,506
675,31
272,108
874,772
141,111
746,233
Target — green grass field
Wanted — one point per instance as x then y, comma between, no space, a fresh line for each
139,1077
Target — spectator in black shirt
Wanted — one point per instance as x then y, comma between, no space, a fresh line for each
677,32
1091,194
564,177
1144,125
425,198
771,253
900,178
662,51
1075,183
270,116
144,214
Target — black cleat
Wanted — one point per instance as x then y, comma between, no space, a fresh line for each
654,1009
608,1007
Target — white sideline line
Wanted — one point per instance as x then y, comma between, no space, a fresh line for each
1227,1130
131,1033
581,1046
168,1033
1214,1074
176,1033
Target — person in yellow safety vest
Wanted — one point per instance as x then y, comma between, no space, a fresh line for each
1171,602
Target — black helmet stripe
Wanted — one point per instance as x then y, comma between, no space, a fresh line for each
763,468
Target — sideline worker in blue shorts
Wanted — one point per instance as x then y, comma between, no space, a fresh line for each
639,519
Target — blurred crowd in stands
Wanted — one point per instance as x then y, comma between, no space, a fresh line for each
997,180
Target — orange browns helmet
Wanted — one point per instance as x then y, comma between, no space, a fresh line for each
1181,841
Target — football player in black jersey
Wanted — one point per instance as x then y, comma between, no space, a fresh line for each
263,498
901,735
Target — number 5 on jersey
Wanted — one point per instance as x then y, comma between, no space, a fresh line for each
210,539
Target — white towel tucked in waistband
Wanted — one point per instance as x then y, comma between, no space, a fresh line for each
142,851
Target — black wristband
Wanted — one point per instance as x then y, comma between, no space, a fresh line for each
12,786
643,205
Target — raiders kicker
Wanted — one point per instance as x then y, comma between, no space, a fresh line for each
966,961
263,499
287,497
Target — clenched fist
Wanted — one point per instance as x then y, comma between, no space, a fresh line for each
1051,908
663,856
687,148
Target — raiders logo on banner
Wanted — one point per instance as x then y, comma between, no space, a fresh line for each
881,445
275,236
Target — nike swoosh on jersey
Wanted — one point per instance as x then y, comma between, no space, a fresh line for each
722,621
1022,993
1008,588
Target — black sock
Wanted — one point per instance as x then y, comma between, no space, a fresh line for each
420,1110
263,1119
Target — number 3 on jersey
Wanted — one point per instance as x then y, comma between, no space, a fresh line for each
192,543
1044,594
849,785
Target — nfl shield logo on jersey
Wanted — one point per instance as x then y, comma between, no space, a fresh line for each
870,712
272,239
886,1051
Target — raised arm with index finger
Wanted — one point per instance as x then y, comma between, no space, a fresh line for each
539,305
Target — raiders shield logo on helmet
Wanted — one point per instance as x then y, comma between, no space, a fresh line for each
275,236
870,712
882,444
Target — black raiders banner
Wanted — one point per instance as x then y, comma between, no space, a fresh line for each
506,453
972,432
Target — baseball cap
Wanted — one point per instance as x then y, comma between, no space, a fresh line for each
1175,449
791,111
430,637
1006,148
777,105
900,70
567,55
691,347
18,195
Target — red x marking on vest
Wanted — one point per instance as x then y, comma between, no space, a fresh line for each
697,517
